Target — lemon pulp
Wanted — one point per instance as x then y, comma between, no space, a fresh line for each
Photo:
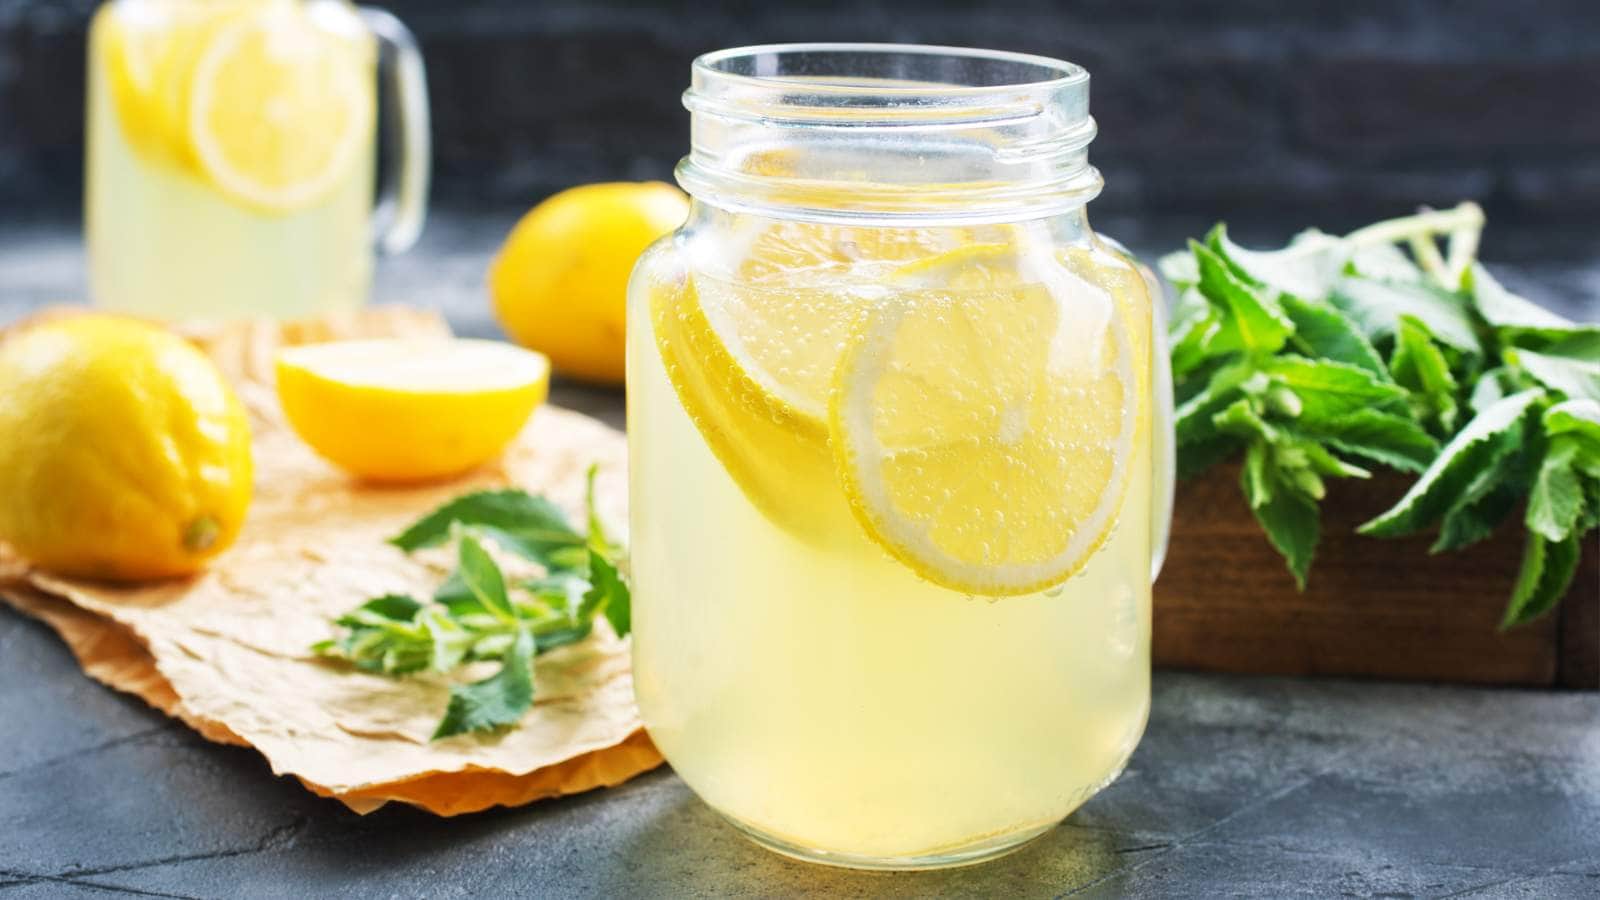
974,402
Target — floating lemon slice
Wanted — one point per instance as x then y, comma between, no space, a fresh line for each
410,410
751,354
984,437
281,106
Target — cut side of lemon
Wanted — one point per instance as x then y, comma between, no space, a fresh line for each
401,410
985,437
280,108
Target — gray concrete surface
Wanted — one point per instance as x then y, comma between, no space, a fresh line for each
1243,787
1247,787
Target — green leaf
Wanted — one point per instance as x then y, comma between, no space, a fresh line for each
609,595
1491,435
497,701
1580,345
1241,420
1252,321
1574,417
1193,418
1376,308
1330,390
1306,268
1198,456
1503,309
482,577
1179,268
599,538
450,640
1193,329
1547,570
1576,378
1257,479
1291,523
1476,519
1421,368
1385,262
1393,440
1557,497
1492,386
1321,330
531,527
394,607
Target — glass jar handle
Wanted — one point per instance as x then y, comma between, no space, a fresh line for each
1164,441
403,188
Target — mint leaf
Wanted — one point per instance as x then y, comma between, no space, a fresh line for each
1382,437
1474,520
1306,268
1252,321
1557,497
1385,262
1576,378
1291,523
1194,327
609,596
1503,309
1323,331
1193,418
393,607
1328,389
1198,456
1574,417
1547,570
481,576
497,701
1376,308
531,527
1491,435
1421,368
1581,345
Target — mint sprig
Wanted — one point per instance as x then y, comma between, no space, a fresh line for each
1331,354
477,615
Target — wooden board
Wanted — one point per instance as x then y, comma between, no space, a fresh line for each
1378,608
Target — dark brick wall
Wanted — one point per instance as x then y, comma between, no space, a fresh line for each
1226,107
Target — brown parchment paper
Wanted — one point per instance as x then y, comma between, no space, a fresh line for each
226,651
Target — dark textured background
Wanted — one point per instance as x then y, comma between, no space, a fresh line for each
1238,108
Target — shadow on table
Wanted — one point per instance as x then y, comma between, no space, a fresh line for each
684,848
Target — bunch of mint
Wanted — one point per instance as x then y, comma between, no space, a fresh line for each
1333,354
477,615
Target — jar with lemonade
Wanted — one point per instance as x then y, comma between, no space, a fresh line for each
231,154
898,456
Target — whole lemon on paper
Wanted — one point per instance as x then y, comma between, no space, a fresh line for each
124,454
560,282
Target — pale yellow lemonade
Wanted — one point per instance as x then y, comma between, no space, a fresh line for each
230,157
891,520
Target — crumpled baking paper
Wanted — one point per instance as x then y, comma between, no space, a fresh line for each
227,651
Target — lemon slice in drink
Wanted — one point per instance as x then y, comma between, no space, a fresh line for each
281,106
984,434
750,345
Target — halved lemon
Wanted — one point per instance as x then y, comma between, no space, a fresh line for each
985,436
281,106
400,410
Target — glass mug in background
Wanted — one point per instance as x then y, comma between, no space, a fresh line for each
900,456
231,154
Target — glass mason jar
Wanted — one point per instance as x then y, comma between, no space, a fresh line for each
898,456
231,153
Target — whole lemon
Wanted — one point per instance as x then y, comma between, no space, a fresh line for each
124,454
559,284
